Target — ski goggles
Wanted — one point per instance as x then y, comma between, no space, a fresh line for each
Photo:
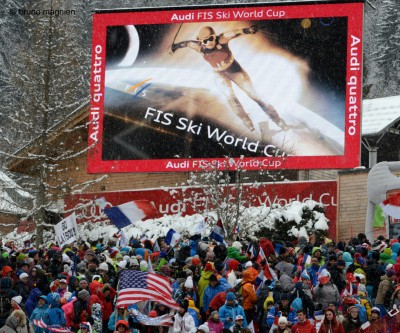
208,39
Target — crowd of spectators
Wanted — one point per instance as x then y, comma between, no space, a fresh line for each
255,285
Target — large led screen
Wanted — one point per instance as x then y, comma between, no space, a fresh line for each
257,86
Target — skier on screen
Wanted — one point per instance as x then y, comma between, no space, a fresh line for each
216,52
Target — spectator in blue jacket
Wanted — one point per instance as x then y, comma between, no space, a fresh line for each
213,288
38,312
31,302
282,309
54,315
230,310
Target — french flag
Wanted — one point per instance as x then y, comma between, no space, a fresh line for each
218,232
306,259
391,206
126,214
172,237
252,250
269,273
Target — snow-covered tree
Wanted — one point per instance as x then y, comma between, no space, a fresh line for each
45,82
381,45
297,219
224,195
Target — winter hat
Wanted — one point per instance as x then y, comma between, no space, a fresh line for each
376,310
119,256
134,261
270,299
388,267
248,264
282,320
338,253
237,245
196,261
341,263
390,272
65,258
285,297
144,266
352,308
122,322
166,270
83,294
44,297
204,328
233,264
188,272
347,258
230,296
98,277
90,252
85,325
122,264
361,261
126,258
17,299
209,267
23,275
103,267
189,283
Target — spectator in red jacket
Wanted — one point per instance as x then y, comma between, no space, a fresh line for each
303,325
106,296
218,300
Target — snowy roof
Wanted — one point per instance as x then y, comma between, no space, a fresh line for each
7,204
380,113
7,182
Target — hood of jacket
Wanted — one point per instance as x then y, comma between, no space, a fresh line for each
6,269
12,322
206,274
347,257
247,276
232,251
53,300
35,293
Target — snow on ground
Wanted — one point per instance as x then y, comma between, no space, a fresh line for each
251,221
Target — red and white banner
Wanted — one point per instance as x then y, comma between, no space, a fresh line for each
171,201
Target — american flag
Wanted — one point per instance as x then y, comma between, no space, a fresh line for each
52,328
135,286
165,320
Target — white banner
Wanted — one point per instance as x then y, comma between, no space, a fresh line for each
66,231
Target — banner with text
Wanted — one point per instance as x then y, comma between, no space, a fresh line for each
66,230
172,201
270,85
